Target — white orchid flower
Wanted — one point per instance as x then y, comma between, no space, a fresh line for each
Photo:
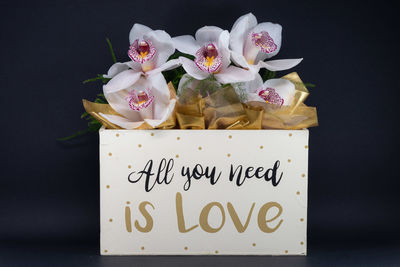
149,51
252,43
277,92
139,99
212,56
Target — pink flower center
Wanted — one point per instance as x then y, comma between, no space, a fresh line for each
270,96
208,59
141,51
139,100
264,42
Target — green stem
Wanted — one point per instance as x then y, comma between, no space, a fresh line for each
74,135
111,50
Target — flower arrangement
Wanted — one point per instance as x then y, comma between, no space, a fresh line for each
215,80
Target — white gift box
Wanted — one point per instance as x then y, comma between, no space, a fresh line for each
219,192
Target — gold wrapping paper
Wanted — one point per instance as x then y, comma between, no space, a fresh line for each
223,110
220,110
95,108
296,116
301,92
190,111
255,116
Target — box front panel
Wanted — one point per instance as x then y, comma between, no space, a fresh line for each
203,192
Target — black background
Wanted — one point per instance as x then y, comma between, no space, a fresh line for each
49,190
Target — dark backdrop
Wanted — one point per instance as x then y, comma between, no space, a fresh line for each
49,189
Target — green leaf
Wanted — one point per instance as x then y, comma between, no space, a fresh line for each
178,54
267,74
79,133
111,50
174,76
84,115
309,85
99,77
93,79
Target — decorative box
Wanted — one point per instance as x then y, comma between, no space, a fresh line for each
220,192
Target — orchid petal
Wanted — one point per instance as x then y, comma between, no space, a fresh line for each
169,65
234,74
239,59
159,103
186,44
163,106
160,89
119,103
223,40
164,116
163,44
223,48
121,121
275,32
192,69
240,31
280,64
146,113
118,100
283,87
254,97
253,85
208,34
115,69
136,66
121,81
137,32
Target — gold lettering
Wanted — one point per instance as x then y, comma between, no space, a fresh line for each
262,220
180,217
128,221
235,218
204,217
149,220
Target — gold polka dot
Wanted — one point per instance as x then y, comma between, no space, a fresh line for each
139,145
254,244
152,134
185,248
105,251
289,160
128,202
305,147
290,134
107,186
286,251
301,243
142,248
178,138
303,175
129,166
110,220
230,137
216,251
110,154
117,134
298,193
261,147
229,155
176,156
199,147
301,219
